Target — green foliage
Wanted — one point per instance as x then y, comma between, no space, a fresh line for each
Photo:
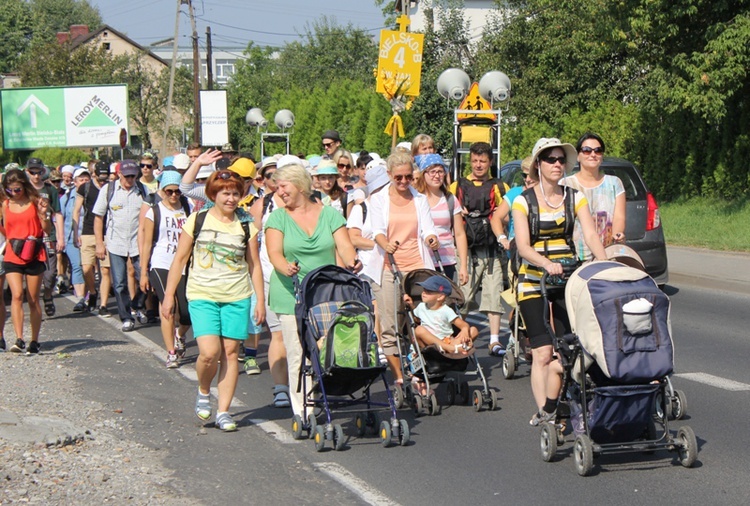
54,157
722,224
52,16
16,29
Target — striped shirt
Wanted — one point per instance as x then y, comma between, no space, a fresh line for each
551,223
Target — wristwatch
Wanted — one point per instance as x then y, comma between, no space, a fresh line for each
501,237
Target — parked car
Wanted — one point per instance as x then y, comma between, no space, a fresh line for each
643,229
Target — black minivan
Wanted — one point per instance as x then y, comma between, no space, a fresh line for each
643,230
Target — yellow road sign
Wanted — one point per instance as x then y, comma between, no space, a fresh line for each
400,62
475,102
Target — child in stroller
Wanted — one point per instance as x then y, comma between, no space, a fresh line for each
437,321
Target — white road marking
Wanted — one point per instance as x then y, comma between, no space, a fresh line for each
715,381
274,429
354,484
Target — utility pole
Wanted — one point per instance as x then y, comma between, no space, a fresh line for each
168,114
209,60
196,78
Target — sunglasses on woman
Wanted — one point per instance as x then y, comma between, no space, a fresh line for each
173,192
552,159
344,166
587,150
407,177
13,191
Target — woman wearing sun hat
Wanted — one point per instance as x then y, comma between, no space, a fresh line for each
551,160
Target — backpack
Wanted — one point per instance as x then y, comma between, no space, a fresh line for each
200,218
570,219
140,188
479,202
157,217
267,202
349,342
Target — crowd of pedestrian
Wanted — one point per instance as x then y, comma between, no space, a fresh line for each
213,241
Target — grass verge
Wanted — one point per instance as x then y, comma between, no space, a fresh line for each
707,223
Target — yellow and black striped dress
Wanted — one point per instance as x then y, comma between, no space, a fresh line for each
551,225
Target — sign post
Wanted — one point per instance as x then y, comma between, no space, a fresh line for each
399,72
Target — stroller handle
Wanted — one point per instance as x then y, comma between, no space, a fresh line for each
438,262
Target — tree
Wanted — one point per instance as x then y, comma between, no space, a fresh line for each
16,28
52,16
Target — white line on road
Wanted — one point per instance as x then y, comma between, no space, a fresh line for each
715,381
275,430
359,487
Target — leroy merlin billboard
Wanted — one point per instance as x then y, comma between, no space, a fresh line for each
77,116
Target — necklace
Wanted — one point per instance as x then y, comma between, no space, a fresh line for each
565,191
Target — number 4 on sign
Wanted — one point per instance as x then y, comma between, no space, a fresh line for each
399,58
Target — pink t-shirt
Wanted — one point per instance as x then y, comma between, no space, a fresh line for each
442,219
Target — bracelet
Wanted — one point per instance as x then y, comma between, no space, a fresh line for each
502,236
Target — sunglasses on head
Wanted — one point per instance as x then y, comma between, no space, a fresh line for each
407,177
552,159
588,150
12,191
147,166
344,165
173,192
227,174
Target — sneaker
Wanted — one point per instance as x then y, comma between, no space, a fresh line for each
251,366
172,361
497,349
128,325
2,344
104,312
18,347
152,317
141,316
541,417
241,354
33,348
203,406
93,299
81,306
179,344
225,422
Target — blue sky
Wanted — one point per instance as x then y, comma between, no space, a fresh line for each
233,22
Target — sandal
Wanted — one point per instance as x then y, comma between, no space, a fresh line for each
281,396
49,307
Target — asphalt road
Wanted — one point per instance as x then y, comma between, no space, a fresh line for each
458,456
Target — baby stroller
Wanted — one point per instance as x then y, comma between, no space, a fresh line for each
428,364
335,322
615,367
518,349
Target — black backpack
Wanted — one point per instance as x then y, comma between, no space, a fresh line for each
479,203
570,219
157,216
200,218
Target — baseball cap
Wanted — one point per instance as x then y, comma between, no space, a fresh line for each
436,284
79,172
244,167
35,163
181,161
101,168
129,168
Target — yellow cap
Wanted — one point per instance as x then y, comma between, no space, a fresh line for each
244,167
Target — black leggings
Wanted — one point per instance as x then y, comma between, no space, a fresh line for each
158,279
532,311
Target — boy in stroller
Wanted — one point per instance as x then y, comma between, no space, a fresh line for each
437,321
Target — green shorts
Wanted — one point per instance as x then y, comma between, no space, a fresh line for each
225,319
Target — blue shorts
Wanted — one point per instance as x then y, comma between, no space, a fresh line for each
252,327
225,319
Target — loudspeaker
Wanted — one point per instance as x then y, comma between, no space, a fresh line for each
284,119
453,84
255,117
494,86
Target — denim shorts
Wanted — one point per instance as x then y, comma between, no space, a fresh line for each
225,319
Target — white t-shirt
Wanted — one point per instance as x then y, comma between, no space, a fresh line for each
365,227
170,228
437,321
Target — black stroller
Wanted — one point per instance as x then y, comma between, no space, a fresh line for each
335,322
616,366
428,364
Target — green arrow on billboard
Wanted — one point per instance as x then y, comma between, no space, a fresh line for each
32,104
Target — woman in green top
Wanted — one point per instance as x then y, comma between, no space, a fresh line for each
300,237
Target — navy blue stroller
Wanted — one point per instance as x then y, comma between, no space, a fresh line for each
616,367
336,329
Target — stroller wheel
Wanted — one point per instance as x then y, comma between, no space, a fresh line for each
312,422
434,406
385,433
360,421
297,427
418,405
338,437
451,393
679,405
477,400
464,392
688,446
398,396
404,434
583,451
320,438
509,364
372,422
493,399
548,441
